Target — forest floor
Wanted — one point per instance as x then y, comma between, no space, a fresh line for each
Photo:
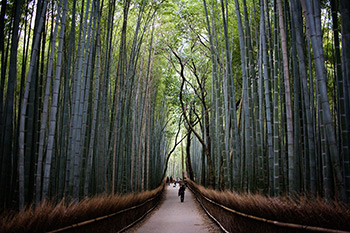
175,216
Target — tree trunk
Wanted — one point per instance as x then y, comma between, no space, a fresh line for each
7,174
290,134
53,112
272,175
28,83
344,83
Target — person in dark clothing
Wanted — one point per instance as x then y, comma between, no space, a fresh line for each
181,193
168,180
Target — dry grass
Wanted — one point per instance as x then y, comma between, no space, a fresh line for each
304,211
48,216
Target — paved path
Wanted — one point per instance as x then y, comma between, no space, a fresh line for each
178,217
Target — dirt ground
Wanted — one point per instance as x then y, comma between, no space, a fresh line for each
175,216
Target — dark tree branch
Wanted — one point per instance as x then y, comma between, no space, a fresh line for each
173,149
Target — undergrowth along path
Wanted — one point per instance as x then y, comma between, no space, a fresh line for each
175,216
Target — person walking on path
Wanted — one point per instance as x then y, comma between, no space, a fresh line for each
182,191
172,217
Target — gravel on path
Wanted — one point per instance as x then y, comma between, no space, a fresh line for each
175,216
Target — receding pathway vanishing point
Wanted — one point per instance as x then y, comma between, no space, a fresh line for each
175,216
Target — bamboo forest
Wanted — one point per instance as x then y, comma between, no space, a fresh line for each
113,96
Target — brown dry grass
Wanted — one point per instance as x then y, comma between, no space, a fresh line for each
48,216
304,211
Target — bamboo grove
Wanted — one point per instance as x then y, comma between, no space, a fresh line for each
81,112
96,95
279,101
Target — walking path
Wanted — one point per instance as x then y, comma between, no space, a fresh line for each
175,216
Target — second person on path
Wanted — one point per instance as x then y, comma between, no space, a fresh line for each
182,191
